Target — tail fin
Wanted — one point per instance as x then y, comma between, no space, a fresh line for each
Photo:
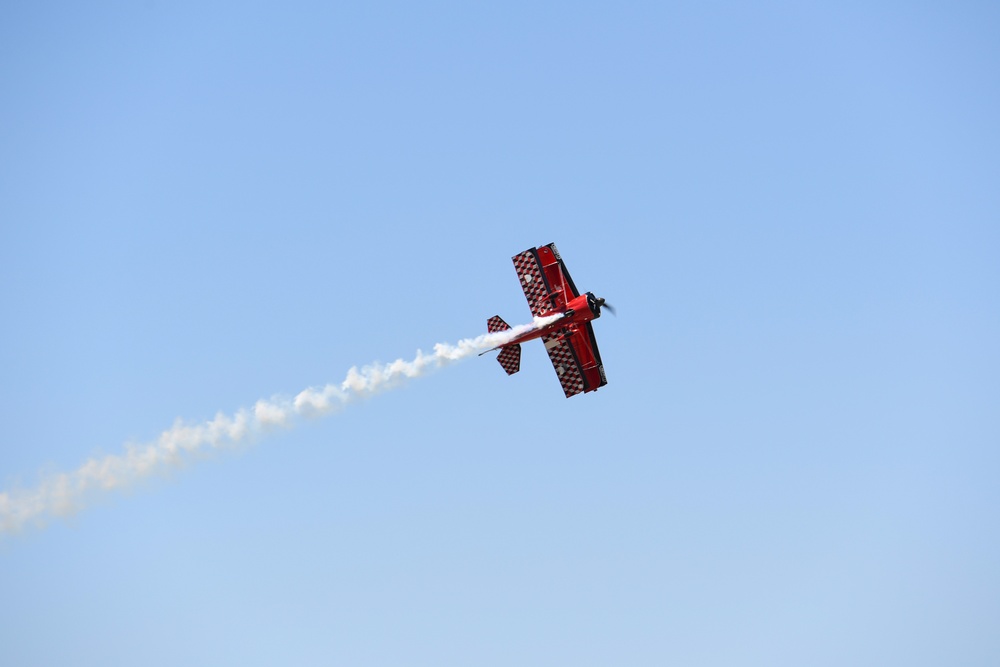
510,355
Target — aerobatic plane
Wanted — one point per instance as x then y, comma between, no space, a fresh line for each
569,340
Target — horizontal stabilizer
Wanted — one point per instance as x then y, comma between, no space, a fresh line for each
496,323
510,355
510,358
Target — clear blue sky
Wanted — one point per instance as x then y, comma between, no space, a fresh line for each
794,206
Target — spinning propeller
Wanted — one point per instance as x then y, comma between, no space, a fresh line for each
601,303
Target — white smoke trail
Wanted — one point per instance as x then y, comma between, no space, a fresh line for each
63,494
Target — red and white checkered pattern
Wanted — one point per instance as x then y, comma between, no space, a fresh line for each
510,356
565,362
535,290
495,324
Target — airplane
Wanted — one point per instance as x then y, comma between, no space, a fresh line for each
569,340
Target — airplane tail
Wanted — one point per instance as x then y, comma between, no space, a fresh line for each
510,355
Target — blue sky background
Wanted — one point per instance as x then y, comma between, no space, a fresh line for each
794,207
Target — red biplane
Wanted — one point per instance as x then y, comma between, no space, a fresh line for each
569,340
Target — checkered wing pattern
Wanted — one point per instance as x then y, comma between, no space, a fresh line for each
565,362
529,271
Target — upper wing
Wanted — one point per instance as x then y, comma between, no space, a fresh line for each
546,282
577,360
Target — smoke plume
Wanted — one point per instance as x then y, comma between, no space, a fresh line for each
63,494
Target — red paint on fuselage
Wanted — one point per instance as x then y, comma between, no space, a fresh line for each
576,314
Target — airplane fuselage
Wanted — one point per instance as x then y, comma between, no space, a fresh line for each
578,312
